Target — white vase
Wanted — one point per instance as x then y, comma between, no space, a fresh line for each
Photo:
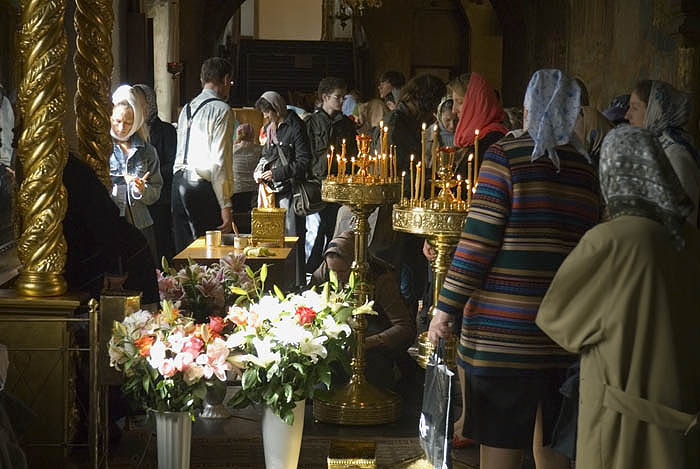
174,435
282,442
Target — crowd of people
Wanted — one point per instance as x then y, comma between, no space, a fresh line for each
580,247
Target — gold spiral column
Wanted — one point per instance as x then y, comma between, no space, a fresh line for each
94,20
42,149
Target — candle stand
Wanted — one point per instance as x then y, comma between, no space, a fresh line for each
440,220
359,402
373,183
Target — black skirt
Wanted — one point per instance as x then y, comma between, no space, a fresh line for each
501,410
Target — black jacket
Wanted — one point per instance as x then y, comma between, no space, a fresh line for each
164,139
324,131
294,142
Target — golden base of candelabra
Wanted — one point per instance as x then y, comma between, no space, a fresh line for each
358,193
426,349
427,221
358,403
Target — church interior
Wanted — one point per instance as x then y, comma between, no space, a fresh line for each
477,237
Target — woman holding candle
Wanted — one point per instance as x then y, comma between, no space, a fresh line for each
536,198
479,109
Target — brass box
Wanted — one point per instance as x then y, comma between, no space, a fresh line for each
267,226
355,454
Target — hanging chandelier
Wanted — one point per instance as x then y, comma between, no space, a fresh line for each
359,6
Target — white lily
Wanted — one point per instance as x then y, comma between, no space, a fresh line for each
366,308
313,347
289,331
331,327
157,354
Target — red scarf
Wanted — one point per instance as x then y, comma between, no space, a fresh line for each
481,110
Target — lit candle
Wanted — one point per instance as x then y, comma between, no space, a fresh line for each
328,170
352,166
393,147
342,154
410,173
340,172
470,182
385,139
332,151
476,153
419,169
435,160
459,188
403,179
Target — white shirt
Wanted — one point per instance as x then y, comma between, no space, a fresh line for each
210,153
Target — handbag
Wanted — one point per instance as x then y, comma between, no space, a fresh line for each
306,194
436,419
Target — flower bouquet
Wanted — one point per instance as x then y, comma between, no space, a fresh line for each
286,345
202,290
166,357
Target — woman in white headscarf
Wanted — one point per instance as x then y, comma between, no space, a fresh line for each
626,299
133,165
659,107
536,197
286,159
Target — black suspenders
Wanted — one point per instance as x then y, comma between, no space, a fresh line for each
189,122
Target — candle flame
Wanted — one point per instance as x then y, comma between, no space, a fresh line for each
471,157
403,173
343,141
412,157
476,132
459,178
423,126
332,148
435,129
381,124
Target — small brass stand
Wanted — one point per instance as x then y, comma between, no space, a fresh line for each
358,402
440,220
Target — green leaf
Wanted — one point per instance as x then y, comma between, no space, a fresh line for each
300,368
288,417
146,381
272,371
288,392
200,390
326,378
278,292
351,281
250,378
263,273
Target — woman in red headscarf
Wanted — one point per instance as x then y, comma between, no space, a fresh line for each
478,108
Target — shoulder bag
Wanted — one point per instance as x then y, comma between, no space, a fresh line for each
306,194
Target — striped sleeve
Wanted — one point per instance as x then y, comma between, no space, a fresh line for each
482,236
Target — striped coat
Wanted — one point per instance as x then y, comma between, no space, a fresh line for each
524,220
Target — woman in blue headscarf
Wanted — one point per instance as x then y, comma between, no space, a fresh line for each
536,197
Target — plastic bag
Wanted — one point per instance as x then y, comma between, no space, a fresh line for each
436,419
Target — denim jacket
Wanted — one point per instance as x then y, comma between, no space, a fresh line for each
141,158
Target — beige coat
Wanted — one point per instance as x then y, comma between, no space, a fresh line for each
630,305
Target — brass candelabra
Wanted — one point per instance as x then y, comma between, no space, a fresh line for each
373,183
440,219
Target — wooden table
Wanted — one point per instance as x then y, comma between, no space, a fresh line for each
281,263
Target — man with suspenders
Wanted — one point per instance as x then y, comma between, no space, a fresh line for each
203,170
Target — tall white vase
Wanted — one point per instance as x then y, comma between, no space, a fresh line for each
282,442
174,435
